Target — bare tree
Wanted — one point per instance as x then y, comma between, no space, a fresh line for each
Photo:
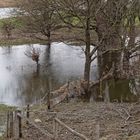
39,17
105,19
81,15
34,54
105,24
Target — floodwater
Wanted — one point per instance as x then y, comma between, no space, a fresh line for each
21,83
6,12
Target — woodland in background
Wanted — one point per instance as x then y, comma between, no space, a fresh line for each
111,26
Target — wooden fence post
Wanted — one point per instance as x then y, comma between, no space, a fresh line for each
11,125
19,124
7,124
28,113
49,92
55,131
97,132
16,125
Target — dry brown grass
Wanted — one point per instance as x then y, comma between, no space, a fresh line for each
7,3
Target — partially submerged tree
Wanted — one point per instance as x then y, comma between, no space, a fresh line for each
34,54
106,20
105,24
81,15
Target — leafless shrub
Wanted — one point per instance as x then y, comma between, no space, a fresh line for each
33,53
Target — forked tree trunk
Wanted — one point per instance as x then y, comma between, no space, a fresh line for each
87,59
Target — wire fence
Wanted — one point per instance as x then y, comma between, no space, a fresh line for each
17,119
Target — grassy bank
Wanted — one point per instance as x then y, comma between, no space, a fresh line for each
3,115
4,108
20,35
7,3
15,22
113,119
21,41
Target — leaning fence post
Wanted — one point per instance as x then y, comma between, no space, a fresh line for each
28,113
19,124
11,125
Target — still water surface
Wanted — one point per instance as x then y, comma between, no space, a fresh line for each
6,12
21,84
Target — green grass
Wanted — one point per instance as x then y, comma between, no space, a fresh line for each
21,42
1,138
5,108
16,22
18,25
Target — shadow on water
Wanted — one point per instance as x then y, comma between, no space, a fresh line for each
6,12
120,91
22,83
119,88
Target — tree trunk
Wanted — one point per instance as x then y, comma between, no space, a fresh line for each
132,34
131,44
87,60
106,93
87,69
49,39
125,64
87,53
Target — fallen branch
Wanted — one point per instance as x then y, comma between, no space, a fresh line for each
119,114
128,115
137,121
71,130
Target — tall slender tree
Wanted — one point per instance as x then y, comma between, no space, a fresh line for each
82,17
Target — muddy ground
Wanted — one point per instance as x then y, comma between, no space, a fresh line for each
112,121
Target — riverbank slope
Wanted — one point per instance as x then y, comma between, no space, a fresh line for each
116,121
